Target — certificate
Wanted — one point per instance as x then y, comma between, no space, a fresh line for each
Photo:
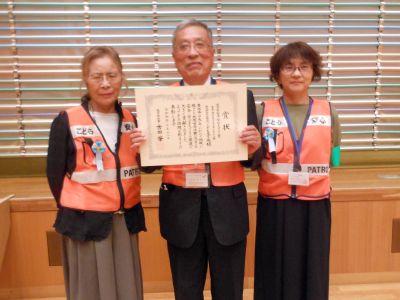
192,124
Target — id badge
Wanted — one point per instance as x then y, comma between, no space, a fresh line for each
197,178
299,178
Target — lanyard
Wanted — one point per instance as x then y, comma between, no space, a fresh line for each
296,142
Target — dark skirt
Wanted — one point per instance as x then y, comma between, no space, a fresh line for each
104,270
292,249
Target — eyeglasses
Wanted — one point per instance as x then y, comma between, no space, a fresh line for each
290,69
199,46
110,77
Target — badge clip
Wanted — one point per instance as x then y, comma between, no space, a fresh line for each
98,148
269,136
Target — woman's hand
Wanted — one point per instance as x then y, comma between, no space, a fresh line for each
251,137
137,139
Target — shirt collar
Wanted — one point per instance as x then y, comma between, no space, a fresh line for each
208,81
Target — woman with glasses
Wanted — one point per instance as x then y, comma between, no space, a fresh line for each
94,176
300,133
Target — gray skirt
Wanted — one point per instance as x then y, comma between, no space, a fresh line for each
103,270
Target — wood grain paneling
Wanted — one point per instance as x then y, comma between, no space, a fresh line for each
4,226
54,248
396,236
364,203
362,236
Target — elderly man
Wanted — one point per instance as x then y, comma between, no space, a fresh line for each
205,225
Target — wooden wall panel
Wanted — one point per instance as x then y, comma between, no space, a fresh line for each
360,246
362,236
4,226
154,255
361,243
26,263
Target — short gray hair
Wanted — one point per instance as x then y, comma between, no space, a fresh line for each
188,23
98,52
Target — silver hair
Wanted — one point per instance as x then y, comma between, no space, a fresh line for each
188,23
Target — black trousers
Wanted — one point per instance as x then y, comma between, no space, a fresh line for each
292,249
189,265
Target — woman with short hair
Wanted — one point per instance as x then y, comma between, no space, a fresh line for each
294,210
94,176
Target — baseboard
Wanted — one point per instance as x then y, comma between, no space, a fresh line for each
59,290
166,286
157,286
364,278
349,278
33,292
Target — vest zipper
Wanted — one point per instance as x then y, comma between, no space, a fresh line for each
208,166
118,166
293,192
116,157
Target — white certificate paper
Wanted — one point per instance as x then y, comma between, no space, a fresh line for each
192,124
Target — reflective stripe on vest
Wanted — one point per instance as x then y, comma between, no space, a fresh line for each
314,158
222,173
86,177
89,189
282,168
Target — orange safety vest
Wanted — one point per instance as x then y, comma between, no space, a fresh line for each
314,158
114,188
222,173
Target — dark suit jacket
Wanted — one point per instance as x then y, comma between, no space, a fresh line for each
179,211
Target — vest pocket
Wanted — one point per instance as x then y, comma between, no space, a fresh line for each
87,153
280,142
